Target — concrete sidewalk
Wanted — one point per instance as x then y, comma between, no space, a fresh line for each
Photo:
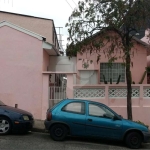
39,126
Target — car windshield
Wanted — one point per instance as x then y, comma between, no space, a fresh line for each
1,103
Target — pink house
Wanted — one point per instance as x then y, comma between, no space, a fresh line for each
35,76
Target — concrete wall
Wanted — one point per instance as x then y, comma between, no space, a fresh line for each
21,68
62,64
46,59
140,103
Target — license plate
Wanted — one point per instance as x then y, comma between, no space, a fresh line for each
25,117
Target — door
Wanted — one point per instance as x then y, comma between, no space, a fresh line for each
100,122
74,115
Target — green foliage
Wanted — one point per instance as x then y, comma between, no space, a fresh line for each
118,79
123,17
141,123
85,65
107,27
91,61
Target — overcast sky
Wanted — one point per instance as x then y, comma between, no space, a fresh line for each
58,10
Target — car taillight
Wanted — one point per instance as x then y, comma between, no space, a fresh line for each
49,116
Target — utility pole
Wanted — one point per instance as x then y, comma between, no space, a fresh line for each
60,38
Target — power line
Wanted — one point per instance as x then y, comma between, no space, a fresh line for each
74,2
69,4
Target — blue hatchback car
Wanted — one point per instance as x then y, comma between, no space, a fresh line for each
93,119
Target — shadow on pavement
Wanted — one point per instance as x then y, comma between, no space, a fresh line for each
96,141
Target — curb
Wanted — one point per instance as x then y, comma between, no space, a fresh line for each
39,130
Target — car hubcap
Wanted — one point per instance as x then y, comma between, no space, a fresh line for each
4,126
134,140
58,132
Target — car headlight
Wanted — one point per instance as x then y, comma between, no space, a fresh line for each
25,117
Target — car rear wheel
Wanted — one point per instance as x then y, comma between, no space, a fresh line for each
58,132
133,140
5,126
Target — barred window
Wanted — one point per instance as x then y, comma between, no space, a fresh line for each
112,71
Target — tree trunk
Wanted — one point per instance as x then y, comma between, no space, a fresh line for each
129,88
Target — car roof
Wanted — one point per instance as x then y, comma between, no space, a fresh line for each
83,100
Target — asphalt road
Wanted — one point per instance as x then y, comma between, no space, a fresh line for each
42,141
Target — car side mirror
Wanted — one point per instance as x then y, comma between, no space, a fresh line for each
116,118
120,116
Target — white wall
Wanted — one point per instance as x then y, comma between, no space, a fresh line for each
62,64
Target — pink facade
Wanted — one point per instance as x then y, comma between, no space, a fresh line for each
139,63
42,26
21,70
114,95
27,61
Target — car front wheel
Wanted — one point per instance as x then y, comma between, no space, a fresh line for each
133,140
58,132
5,126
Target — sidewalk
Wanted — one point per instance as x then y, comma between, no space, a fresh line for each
39,126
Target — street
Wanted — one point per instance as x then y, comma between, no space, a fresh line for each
42,141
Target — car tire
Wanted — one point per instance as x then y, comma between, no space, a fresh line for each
58,132
5,126
133,140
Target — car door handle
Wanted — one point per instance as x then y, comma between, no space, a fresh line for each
89,119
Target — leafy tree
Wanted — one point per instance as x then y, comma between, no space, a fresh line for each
97,23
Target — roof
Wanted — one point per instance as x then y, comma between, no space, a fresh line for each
26,15
6,23
32,23
50,48
134,37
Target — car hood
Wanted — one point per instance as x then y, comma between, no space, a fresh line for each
20,111
135,125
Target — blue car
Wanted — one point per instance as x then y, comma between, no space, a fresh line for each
14,119
92,119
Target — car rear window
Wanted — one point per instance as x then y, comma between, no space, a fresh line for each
53,107
75,107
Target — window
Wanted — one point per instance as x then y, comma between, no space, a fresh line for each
75,107
112,71
100,111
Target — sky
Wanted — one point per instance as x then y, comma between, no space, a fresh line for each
58,10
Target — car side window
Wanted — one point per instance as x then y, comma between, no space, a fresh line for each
75,107
100,111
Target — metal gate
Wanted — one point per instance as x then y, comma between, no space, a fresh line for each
57,90
57,94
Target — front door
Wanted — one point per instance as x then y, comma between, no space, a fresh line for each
100,122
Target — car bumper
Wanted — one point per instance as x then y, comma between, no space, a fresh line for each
25,125
146,137
47,124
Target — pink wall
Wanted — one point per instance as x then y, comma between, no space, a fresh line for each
140,103
139,63
21,70
40,26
